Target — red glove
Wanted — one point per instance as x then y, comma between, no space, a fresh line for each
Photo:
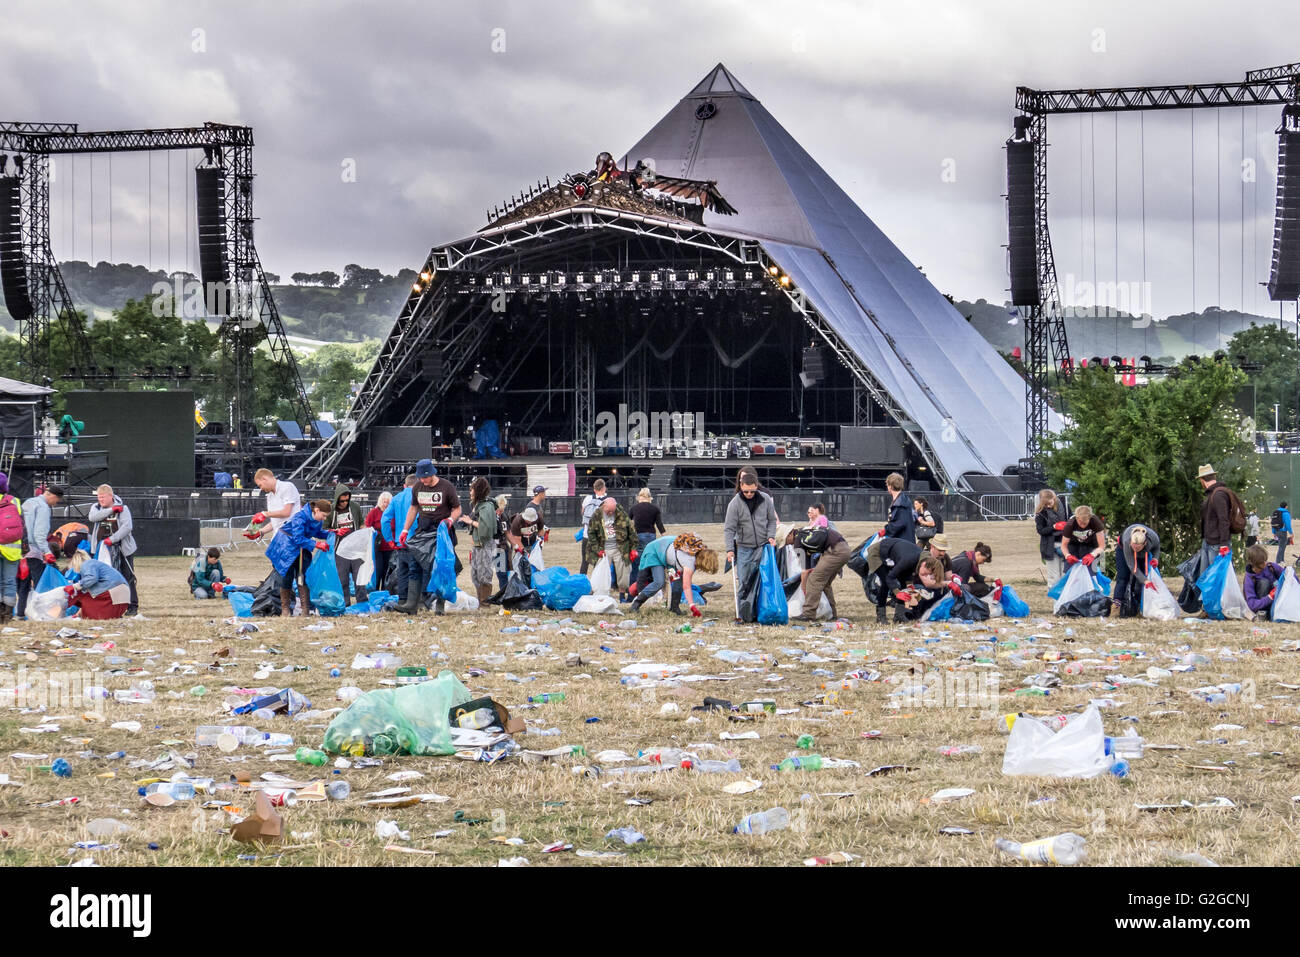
217,587
1070,559
48,558
1059,526
259,518
602,553
117,509
546,535
322,546
635,553
903,596
340,532
519,550
1224,549
1154,563
447,521
69,590
22,570
1089,558
1152,586
1271,593
401,540
631,589
881,533
695,611
955,587
225,581
998,582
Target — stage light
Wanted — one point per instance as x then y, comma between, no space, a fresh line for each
672,277
773,270
636,277
579,278
785,281
424,276
415,287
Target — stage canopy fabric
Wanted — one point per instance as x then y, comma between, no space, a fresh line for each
968,401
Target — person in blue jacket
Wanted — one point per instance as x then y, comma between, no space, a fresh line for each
1281,523
390,527
289,551
902,518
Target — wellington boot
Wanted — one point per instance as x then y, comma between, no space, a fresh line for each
411,603
286,602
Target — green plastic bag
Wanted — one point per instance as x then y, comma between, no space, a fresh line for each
407,720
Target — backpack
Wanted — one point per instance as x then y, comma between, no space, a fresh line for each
1276,520
812,539
1236,513
11,522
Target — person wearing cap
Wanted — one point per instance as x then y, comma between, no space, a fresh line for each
526,529
1138,553
37,514
1216,517
938,547
610,534
433,502
834,552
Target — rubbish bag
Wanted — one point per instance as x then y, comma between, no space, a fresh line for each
599,578
560,588
359,543
1077,582
794,604
1103,583
412,719
1286,603
1013,606
1158,601
1091,604
519,593
1221,594
464,602
442,580
595,604
969,608
241,602
47,605
379,600
771,606
1078,750
1189,599
323,581
747,595
940,610
266,596
858,562
535,557
51,579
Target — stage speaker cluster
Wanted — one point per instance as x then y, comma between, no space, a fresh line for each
1284,278
13,267
214,269
1021,244
814,367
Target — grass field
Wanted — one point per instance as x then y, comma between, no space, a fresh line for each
884,819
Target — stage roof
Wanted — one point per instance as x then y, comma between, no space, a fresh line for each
938,368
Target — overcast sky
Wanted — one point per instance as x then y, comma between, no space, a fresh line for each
445,108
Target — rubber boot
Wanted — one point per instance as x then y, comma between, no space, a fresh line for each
880,614
411,604
637,602
675,601
305,594
484,593
286,602
438,606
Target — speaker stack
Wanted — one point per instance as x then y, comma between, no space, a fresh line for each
13,267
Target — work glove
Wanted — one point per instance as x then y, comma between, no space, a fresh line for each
1224,549
954,586
602,553
225,581
1154,563
1272,593
546,535
48,558
1059,526
69,590
695,611
117,509
448,522
401,540
1070,560
217,587
259,518
1152,586
322,546
903,596
340,532
1088,559
23,570
997,582
631,590
634,554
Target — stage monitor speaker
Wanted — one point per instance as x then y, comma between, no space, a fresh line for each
873,445
1284,278
400,443
148,436
210,194
814,366
1022,254
13,267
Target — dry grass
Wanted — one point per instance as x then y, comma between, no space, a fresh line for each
884,820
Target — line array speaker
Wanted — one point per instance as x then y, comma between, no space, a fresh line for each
1021,242
1284,277
13,267
210,192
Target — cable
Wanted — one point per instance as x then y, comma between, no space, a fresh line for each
92,210
149,190
110,207
1192,116
1243,212
1092,174
169,214
1218,227
1116,231
1142,163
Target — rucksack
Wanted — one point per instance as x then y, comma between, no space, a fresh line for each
1276,520
1236,513
11,521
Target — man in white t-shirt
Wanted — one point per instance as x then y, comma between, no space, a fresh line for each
282,499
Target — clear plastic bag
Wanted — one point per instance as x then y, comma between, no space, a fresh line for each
535,557
794,605
1078,750
359,543
595,604
1158,601
599,578
1078,581
1221,594
1286,603
408,720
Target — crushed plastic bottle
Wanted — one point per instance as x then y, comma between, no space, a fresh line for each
718,767
628,835
811,762
1065,848
773,819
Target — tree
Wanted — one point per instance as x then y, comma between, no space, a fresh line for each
328,279
1278,378
273,278
301,278
1134,451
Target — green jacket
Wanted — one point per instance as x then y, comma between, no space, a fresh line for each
593,542
485,514
358,520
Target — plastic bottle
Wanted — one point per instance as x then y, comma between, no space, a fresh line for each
1119,768
97,692
278,740
60,768
338,790
180,790
805,742
511,630
810,762
668,757
1065,848
310,756
547,697
1128,745
773,819
718,767
477,719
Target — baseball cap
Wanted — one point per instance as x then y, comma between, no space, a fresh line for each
424,469
538,488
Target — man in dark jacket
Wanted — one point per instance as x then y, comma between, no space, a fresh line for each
892,562
345,518
1216,508
902,519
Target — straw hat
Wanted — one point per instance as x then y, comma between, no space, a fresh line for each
1205,471
940,542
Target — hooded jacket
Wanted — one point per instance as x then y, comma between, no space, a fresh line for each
296,535
354,510
743,528
116,527
593,542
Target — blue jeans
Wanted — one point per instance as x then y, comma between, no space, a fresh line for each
9,581
651,579
643,539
